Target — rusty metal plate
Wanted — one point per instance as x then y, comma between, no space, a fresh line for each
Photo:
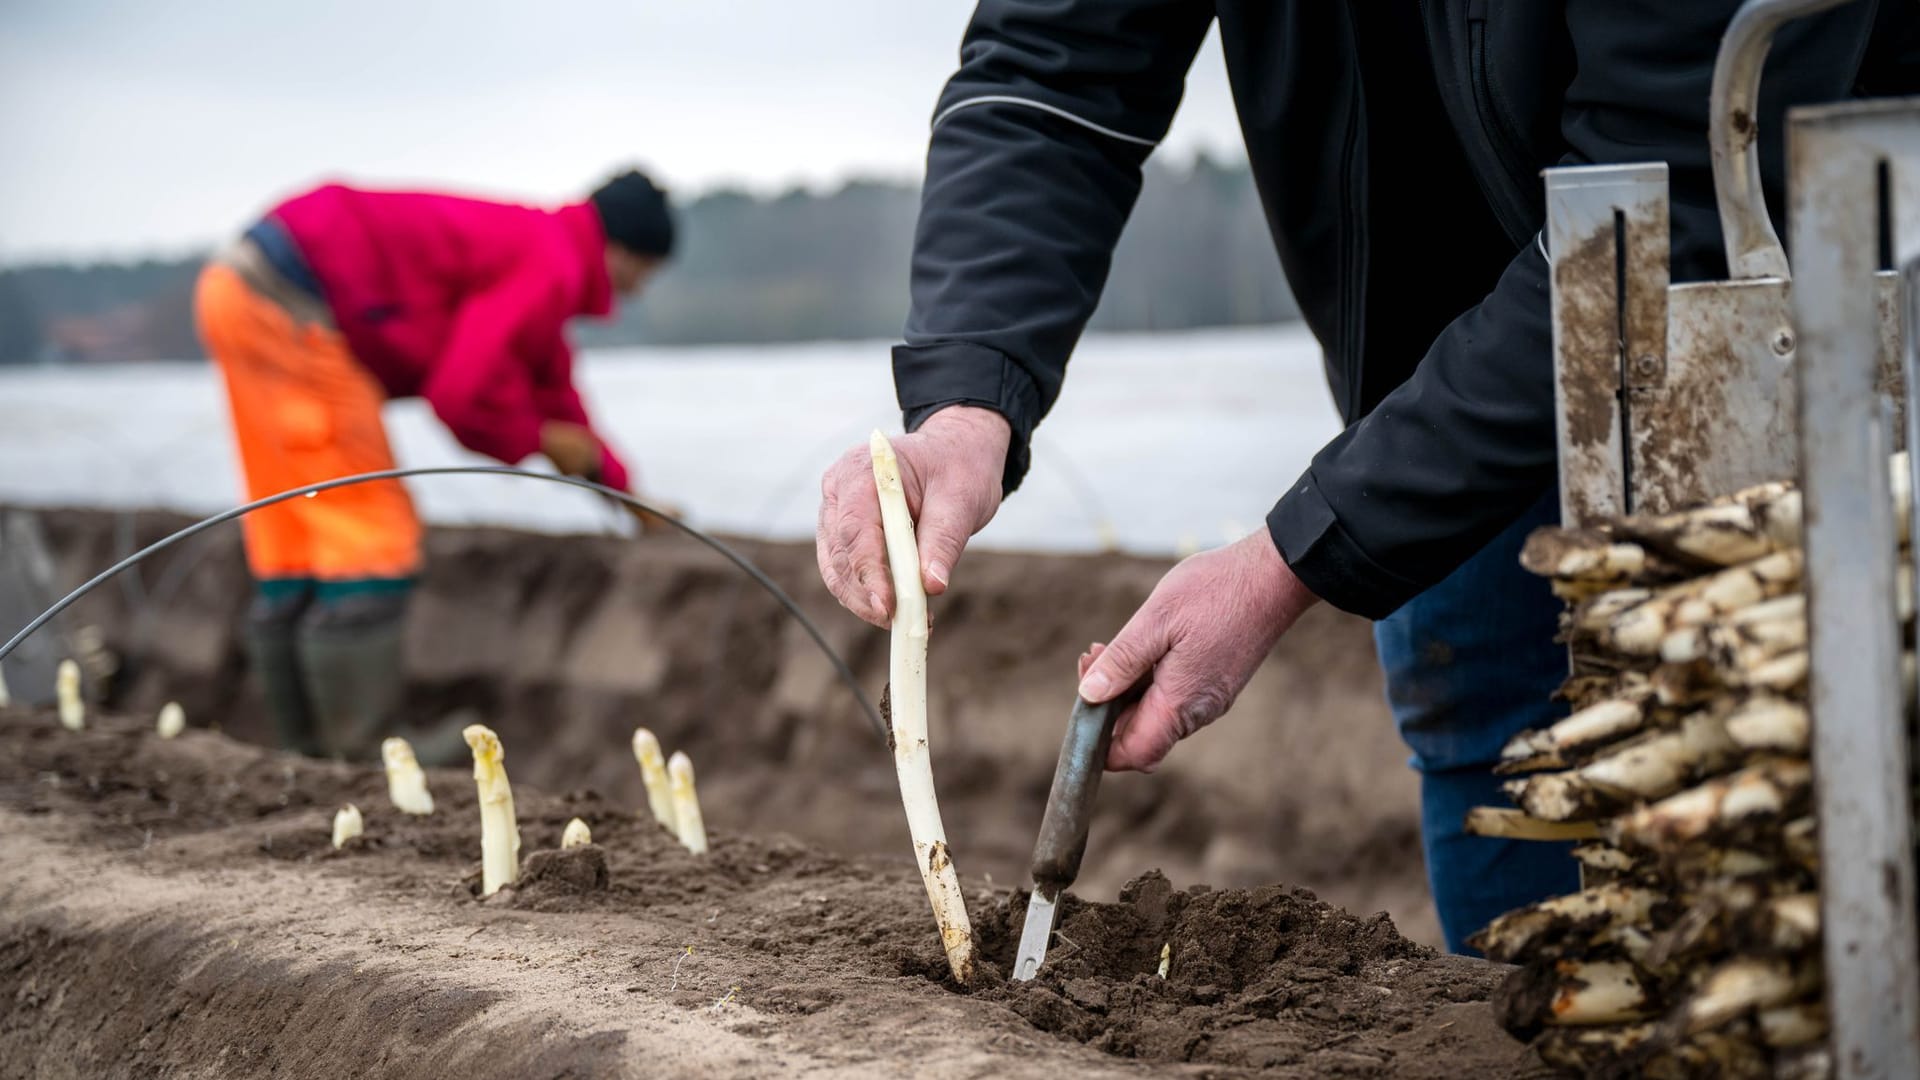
1723,418
1598,216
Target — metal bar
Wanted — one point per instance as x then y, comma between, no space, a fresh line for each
1860,756
1601,220
1908,318
1753,248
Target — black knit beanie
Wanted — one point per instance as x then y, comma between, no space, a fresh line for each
635,215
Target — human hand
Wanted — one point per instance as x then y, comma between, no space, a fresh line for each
1201,634
951,469
573,449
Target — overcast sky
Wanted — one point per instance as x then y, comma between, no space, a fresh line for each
157,126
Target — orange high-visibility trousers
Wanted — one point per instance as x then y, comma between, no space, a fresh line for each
304,410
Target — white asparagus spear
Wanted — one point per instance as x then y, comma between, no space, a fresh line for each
406,781
171,721
1651,767
1762,790
1604,859
1549,747
1514,937
1742,985
1573,993
653,775
66,687
1509,824
347,824
1767,723
907,693
1581,556
499,829
576,834
1640,630
1793,1025
689,825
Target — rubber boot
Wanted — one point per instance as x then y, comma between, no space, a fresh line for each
350,652
271,628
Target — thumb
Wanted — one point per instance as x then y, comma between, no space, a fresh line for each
943,530
1126,659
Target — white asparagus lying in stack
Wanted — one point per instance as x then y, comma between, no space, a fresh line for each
907,719
1555,747
1656,765
1695,947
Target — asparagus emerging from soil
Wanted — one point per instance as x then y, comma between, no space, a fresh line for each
172,720
347,824
688,824
576,834
6,699
499,832
907,719
66,687
653,773
406,782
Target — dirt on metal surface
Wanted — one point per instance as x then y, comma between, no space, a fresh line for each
1586,313
176,908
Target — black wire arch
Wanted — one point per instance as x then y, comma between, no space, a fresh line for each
740,562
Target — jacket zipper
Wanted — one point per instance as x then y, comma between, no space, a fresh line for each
1509,205
1353,248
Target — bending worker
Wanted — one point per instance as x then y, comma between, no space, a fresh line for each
1397,148
340,299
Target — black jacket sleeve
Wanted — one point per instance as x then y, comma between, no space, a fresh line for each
1467,444
1032,170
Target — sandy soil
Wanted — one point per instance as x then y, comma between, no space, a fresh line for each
563,644
173,908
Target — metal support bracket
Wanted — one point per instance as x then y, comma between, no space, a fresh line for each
1607,233
1839,156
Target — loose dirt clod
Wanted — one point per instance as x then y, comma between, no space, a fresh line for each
1242,963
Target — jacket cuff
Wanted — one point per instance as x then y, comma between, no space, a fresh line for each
1328,561
929,378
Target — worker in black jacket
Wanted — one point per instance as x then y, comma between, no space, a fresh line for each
1397,146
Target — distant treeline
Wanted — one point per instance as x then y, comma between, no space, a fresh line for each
795,267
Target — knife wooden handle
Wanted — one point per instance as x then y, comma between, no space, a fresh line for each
1076,779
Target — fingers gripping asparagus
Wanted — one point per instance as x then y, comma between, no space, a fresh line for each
907,676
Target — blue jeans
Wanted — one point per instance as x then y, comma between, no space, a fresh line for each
1469,663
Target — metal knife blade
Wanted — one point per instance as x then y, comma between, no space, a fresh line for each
1034,937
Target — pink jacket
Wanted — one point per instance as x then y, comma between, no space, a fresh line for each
462,302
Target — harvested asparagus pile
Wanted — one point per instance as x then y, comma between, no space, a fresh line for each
1694,948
